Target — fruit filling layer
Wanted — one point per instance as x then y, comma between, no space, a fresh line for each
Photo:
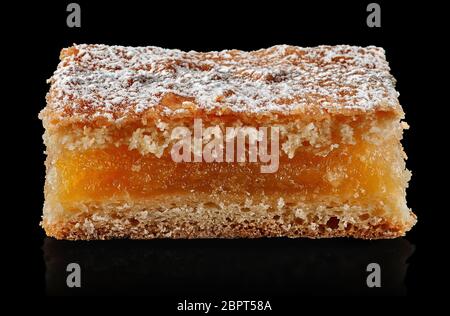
359,172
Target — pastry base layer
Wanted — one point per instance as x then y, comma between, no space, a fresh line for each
144,221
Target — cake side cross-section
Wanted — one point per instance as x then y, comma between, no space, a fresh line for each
331,118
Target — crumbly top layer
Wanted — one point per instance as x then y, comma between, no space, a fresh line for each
115,82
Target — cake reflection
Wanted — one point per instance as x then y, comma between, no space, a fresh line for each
227,267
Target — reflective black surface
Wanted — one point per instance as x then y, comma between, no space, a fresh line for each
38,31
227,267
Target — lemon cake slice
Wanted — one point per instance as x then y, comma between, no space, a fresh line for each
143,142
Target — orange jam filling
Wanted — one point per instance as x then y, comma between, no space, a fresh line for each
350,172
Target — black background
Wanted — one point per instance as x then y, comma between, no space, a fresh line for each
413,40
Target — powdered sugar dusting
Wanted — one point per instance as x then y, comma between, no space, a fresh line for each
114,81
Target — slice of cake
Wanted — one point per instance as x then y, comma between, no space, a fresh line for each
145,142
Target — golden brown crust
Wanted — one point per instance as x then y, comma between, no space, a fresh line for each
222,216
102,85
112,225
